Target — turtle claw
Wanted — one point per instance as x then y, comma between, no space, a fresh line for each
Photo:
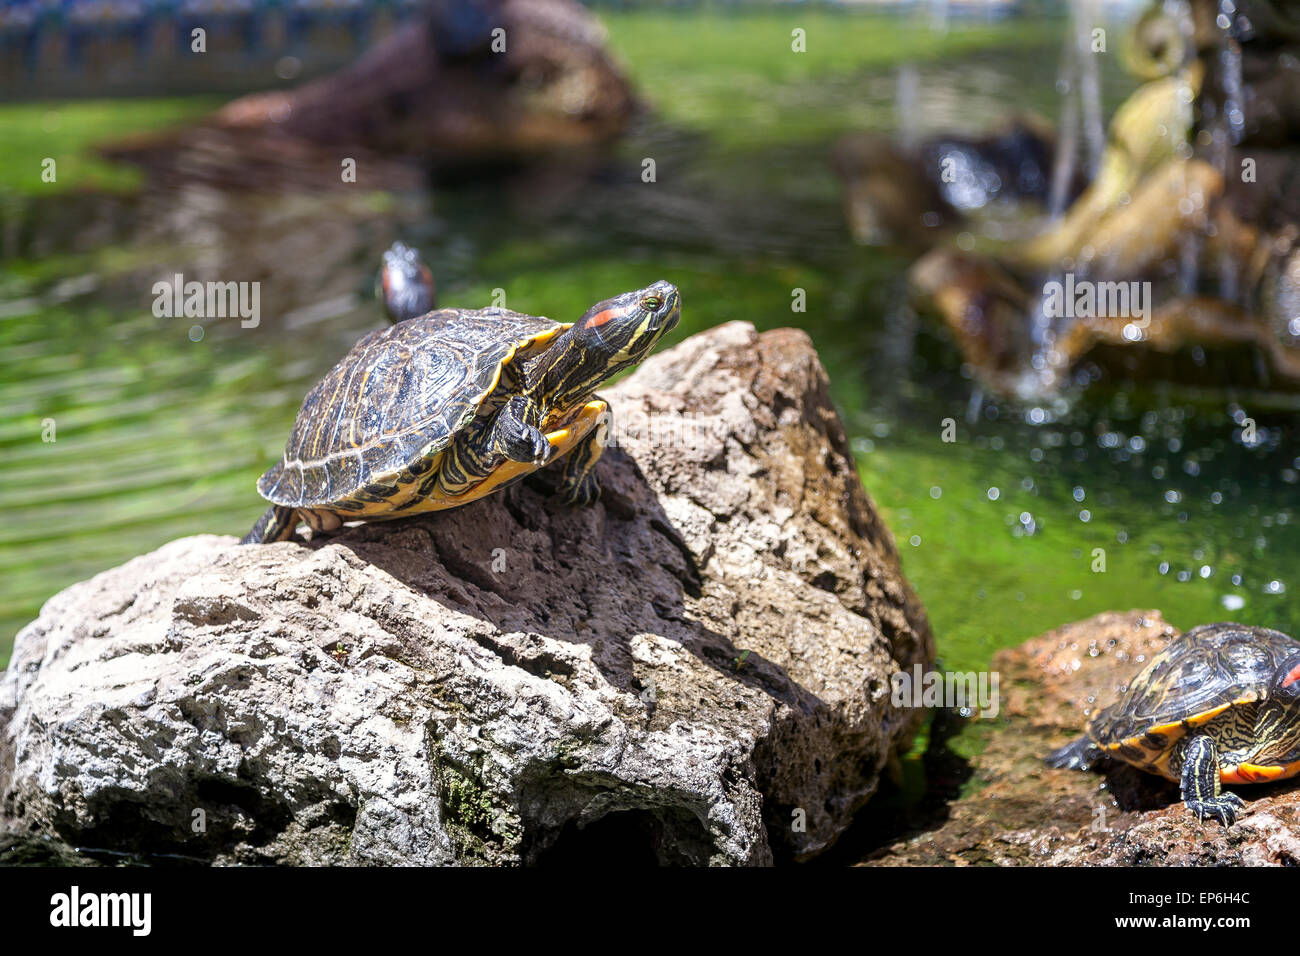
1223,808
1080,754
541,448
528,445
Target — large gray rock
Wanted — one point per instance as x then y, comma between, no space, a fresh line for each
680,674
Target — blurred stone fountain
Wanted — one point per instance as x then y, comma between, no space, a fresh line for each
1188,224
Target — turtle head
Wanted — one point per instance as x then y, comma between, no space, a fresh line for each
1286,682
626,327
405,284
1277,725
611,336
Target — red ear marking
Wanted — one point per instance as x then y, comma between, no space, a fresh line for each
1292,676
600,318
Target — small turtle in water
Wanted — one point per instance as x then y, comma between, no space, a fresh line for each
1221,704
440,410
405,284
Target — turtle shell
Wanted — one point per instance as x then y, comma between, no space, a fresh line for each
1206,674
396,400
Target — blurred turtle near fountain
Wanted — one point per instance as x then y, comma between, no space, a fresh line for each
404,284
1192,195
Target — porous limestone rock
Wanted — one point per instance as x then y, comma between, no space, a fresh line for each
695,670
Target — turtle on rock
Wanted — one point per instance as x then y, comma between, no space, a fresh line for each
405,284
440,410
1220,704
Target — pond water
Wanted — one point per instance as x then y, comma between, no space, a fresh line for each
162,427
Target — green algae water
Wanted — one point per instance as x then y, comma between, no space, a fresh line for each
1028,518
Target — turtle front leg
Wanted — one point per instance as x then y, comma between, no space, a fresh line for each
1201,791
511,434
514,432
578,483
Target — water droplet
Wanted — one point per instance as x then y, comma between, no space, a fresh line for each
288,67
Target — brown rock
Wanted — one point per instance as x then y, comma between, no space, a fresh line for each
434,90
694,670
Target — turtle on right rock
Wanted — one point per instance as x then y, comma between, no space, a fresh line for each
1220,704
